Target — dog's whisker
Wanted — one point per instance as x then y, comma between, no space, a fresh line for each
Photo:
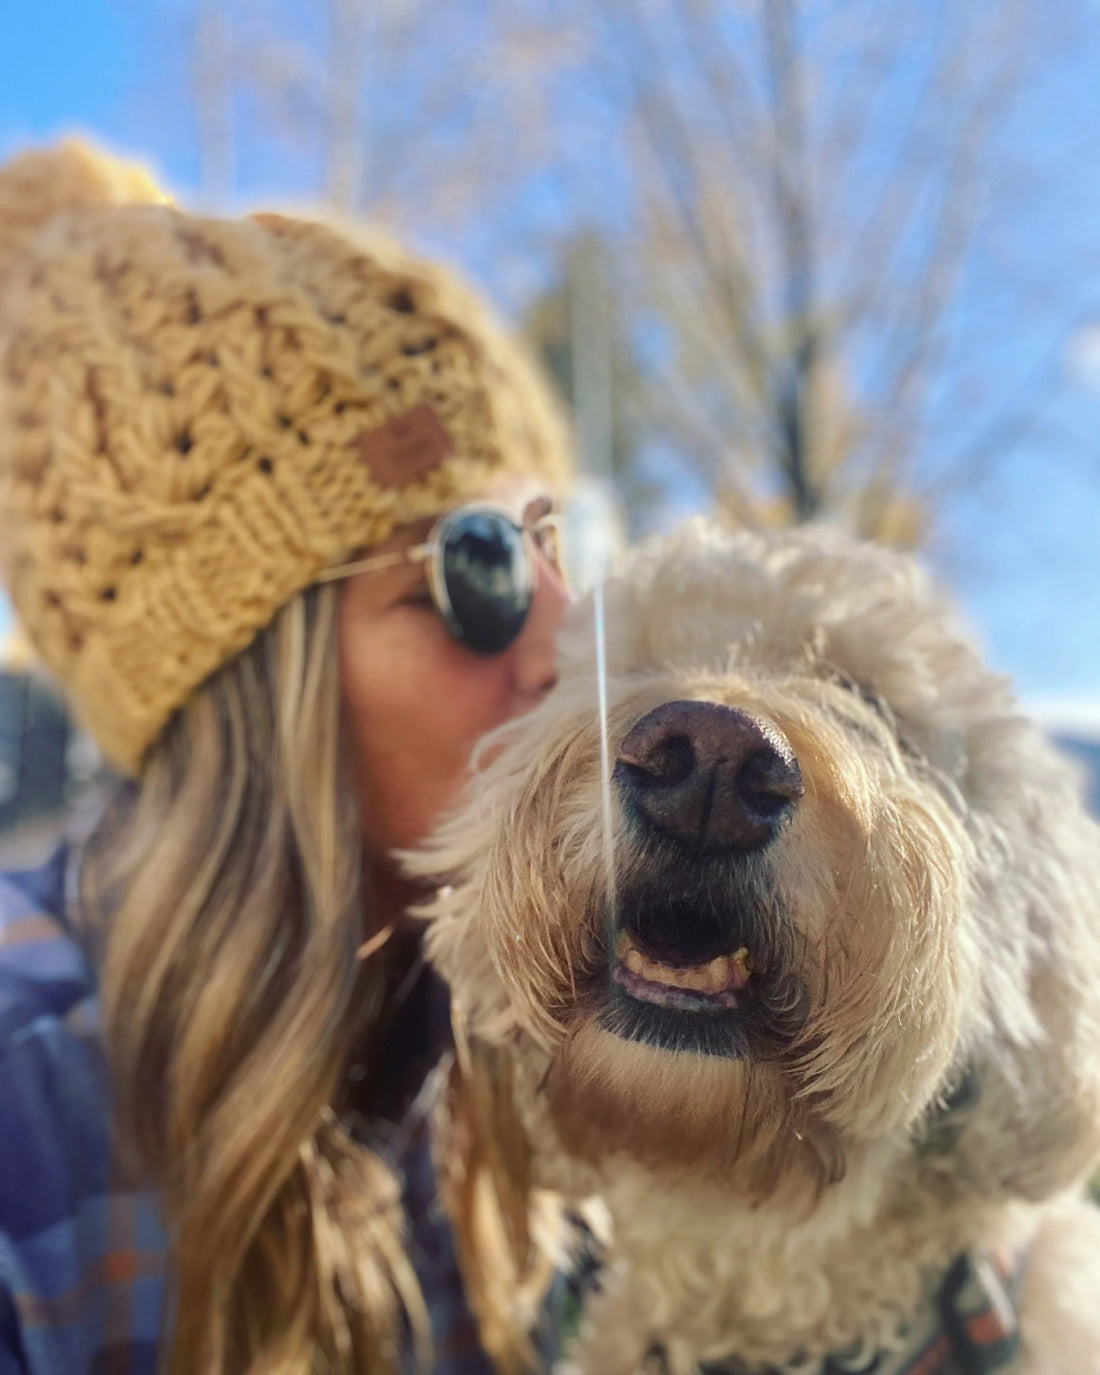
605,748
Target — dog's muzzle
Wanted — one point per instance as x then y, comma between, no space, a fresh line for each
698,957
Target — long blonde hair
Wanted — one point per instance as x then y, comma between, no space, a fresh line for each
225,895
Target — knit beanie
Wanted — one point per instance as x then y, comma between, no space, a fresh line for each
199,415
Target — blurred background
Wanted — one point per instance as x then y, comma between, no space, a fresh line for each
782,257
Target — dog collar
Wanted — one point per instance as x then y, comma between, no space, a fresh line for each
970,1327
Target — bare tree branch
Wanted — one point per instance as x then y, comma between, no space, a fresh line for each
798,196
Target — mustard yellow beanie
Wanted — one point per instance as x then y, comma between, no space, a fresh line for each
198,415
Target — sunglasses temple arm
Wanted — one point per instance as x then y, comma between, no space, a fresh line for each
419,553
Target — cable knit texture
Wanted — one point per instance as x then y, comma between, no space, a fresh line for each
186,410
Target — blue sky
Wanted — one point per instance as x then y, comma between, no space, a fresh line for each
1023,555
61,61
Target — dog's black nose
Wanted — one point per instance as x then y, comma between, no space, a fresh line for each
709,775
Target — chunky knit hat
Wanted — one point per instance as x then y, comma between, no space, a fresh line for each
199,415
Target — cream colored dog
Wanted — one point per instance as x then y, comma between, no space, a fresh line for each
810,999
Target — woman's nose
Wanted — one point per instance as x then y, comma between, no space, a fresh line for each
534,650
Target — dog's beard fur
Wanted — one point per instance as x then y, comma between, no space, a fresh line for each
930,908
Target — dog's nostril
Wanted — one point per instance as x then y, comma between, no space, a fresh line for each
769,783
709,775
669,761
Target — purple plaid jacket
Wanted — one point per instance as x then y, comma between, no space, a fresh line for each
82,1250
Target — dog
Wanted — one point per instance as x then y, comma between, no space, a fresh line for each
794,965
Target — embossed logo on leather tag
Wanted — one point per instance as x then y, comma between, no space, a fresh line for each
406,447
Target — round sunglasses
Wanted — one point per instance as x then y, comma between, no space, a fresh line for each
481,571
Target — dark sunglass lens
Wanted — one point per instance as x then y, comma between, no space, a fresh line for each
486,575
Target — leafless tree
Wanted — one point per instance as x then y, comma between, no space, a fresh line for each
811,213
408,110
819,233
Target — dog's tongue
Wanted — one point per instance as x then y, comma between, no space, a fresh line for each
725,974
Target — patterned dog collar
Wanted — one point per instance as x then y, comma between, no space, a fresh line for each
969,1328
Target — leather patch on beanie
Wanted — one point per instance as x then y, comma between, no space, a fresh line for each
406,447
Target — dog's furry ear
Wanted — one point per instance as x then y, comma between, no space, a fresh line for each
1035,1129
1029,1137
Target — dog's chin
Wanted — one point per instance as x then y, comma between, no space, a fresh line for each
689,986
734,1118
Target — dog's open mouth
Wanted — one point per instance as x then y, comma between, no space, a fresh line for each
699,967
713,986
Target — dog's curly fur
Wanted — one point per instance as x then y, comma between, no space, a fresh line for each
923,1075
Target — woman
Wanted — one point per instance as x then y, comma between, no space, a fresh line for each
275,512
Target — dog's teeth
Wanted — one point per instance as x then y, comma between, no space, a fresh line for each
725,973
635,961
659,973
739,968
714,976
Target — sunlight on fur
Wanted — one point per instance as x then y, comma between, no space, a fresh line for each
851,880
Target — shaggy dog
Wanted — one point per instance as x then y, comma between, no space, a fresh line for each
810,996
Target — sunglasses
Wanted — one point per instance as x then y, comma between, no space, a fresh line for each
482,570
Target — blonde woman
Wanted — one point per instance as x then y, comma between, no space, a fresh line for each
277,512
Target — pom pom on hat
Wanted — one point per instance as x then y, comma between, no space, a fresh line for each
43,183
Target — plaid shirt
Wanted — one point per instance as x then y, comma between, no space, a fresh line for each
82,1249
